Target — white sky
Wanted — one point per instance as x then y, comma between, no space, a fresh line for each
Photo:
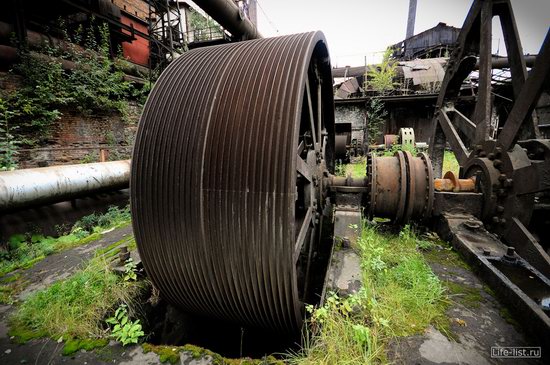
358,28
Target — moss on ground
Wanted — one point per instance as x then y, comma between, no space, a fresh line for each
171,354
9,287
466,295
444,254
21,334
505,313
114,248
73,345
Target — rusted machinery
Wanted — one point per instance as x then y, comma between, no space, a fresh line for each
232,176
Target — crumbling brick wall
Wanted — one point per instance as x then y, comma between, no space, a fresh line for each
76,138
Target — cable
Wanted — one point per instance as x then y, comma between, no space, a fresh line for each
267,17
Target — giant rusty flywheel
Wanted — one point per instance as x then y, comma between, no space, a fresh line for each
227,177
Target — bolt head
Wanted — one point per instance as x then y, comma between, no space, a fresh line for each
497,163
491,156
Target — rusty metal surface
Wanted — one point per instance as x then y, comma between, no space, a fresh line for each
45,185
400,187
523,288
390,140
451,202
217,210
341,146
500,149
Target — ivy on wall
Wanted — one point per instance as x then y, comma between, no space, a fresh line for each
94,83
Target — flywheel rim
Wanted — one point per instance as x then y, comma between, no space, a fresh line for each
214,174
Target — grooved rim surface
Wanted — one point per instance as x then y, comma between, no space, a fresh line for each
213,184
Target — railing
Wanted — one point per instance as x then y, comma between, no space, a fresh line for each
205,34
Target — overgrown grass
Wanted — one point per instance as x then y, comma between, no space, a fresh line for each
75,308
450,163
24,250
400,147
400,296
358,168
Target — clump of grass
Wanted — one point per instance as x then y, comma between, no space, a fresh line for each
26,250
357,168
450,163
400,147
75,308
400,296
339,333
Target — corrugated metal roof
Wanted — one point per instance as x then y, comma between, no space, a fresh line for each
424,71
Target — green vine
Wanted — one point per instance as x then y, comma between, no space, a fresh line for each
8,143
91,82
376,118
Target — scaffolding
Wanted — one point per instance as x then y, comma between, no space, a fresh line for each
166,34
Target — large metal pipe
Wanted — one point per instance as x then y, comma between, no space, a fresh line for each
227,13
45,185
356,71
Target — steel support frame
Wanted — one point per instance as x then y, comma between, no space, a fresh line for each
502,269
166,35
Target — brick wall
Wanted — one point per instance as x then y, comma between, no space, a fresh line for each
137,8
74,137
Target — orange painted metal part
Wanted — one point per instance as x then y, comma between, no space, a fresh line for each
450,182
138,50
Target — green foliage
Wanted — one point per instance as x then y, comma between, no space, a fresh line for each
450,163
376,118
75,308
358,168
204,28
8,143
96,83
380,78
130,270
340,169
400,147
400,296
338,334
125,330
24,250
